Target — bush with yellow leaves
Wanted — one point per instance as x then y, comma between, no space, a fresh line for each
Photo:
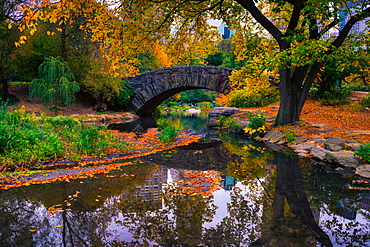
257,126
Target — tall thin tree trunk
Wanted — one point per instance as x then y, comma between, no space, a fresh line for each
4,82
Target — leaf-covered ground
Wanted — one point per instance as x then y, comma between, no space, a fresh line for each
345,122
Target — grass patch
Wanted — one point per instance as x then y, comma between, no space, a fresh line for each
26,140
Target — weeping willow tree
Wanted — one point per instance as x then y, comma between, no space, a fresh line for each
56,84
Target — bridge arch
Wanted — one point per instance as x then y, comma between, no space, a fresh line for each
153,87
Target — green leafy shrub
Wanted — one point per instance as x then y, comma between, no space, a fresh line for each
365,101
56,84
195,96
205,106
247,98
335,97
168,134
358,88
94,139
364,152
257,126
26,139
215,59
124,96
290,136
252,89
227,122
168,131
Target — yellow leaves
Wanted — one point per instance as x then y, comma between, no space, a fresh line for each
255,132
22,28
256,59
50,33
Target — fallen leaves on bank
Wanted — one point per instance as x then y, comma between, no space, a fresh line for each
141,145
344,122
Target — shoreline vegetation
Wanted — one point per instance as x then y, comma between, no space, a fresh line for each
63,147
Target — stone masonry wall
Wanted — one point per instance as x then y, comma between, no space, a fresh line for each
152,87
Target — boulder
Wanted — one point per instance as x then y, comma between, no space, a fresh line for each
223,111
318,152
353,146
270,119
303,148
343,158
363,171
274,147
243,123
217,112
270,134
318,139
282,142
334,144
300,139
276,138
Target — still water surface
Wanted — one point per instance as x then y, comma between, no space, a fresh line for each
265,198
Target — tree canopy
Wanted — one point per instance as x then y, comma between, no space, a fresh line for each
291,39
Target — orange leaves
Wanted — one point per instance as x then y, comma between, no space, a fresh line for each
201,183
145,144
344,121
222,100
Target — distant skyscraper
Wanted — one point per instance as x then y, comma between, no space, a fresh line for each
359,27
224,31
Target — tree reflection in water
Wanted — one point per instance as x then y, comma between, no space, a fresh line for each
279,201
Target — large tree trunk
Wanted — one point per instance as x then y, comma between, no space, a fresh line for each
290,91
288,112
294,88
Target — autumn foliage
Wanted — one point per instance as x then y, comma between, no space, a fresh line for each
122,32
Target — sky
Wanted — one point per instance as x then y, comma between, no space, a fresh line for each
216,23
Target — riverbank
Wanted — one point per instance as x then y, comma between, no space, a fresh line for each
326,134
349,123
66,169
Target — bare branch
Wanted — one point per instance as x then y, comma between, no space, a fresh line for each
266,23
298,5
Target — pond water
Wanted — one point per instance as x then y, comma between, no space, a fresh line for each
264,198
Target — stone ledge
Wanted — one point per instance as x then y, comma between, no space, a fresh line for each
107,118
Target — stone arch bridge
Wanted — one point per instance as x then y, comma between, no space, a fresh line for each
153,87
